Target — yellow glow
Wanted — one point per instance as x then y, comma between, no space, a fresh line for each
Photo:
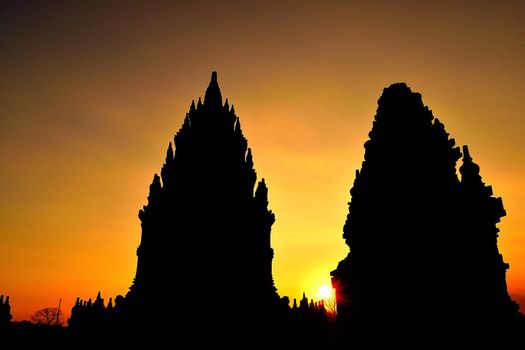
89,101
325,292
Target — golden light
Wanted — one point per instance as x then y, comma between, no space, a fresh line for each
325,292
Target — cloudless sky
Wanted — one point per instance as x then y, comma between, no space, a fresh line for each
91,92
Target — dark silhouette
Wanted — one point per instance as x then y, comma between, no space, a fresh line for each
47,316
92,316
424,270
310,313
5,311
205,250
43,332
424,267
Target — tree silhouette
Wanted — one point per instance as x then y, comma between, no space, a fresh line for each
330,304
47,316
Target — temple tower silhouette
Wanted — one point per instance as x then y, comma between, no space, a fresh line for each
205,256
423,254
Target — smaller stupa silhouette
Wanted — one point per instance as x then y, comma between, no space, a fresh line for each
423,260
5,311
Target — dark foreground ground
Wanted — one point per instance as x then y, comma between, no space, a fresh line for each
24,335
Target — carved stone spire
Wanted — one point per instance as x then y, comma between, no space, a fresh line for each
213,97
204,225
169,153
423,248
469,170
261,194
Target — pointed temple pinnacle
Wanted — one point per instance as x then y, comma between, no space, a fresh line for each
469,169
169,153
466,154
213,97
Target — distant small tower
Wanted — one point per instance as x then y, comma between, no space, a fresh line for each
484,286
5,311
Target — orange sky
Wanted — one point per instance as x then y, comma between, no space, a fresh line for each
90,96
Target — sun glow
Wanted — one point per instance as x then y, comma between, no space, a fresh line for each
325,292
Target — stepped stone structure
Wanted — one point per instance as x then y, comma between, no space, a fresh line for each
205,250
423,243
5,311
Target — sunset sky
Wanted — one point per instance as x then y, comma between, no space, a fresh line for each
91,92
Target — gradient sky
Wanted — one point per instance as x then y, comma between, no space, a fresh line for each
92,92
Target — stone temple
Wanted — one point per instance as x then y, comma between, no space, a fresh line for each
423,257
205,256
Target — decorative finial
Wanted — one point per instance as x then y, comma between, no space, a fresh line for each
466,154
237,125
169,153
213,97
249,158
469,170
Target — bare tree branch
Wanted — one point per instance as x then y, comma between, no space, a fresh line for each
47,316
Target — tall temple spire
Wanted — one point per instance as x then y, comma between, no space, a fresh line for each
210,233
213,97
423,245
